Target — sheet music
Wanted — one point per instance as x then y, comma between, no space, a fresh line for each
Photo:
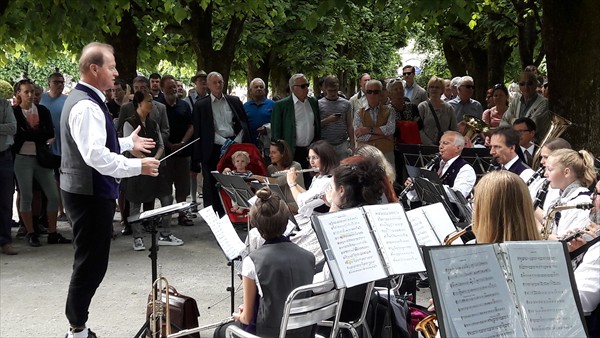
475,299
440,221
226,236
168,208
544,288
422,229
351,247
396,241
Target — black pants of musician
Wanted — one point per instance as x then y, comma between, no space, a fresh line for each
300,156
91,218
210,193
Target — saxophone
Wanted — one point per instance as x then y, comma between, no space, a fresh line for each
548,222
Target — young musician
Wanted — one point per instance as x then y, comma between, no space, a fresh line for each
272,271
571,172
502,210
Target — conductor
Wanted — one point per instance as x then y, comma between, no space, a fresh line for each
90,163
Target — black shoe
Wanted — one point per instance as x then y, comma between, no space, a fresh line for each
126,230
33,240
40,229
22,232
423,283
56,238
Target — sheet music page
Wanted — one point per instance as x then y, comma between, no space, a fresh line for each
168,208
543,289
226,236
421,228
440,221
396,240
350,241
476,300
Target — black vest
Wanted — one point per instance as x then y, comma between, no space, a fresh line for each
452,171
518,167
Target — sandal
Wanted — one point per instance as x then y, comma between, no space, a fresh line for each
184,220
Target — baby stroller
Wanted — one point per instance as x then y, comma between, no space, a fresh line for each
257,166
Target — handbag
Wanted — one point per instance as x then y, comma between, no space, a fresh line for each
45,157
408,132
183,312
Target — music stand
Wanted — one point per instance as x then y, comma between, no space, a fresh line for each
235,187
432,193
154,217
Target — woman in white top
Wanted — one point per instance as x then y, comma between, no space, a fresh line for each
572,172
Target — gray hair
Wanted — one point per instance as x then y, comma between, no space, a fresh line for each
454,82
374,82
368,150
465,79
213,74
394,82
459,139
294,78
256,80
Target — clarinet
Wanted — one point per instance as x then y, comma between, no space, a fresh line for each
535,175
540,197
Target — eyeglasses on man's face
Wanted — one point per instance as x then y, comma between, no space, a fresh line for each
303,86
373,91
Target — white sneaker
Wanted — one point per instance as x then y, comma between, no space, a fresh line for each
169,240
138,244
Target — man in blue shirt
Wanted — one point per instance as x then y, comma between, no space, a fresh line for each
258,108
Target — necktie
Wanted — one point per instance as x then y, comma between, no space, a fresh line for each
528,157
502,167
441,168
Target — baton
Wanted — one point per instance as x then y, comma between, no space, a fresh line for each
178,150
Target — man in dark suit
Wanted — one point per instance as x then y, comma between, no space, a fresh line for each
296,119
218,119
525,127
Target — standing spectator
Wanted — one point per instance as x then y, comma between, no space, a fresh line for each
359,100
464,104
489,98
297,120
199,91
119,91
259,109
493,116
181,91
219,120
8,128
34,129
181,132
336,119
157,94
448,92
376,124
90,163
403,111
412,90
437,115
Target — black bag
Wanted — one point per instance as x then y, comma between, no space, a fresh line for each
183,311
46,158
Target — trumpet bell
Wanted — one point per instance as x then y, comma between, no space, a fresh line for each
558,125
473,126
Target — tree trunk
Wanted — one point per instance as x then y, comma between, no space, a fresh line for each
279,78
499,52
260,69
572,40
126,44
453,58
527,31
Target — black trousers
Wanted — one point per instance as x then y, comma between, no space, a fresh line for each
91,218
210,194
300,155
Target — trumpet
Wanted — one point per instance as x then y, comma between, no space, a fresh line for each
409,186
548,222
160,317
450,238
284,172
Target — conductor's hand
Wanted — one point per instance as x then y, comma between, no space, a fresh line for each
150,166
141,143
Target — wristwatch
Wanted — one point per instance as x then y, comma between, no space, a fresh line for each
371,131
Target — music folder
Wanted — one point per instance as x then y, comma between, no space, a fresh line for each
225,234
431,224
162,211
511,289
368,243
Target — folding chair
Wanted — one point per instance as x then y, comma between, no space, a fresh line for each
304,308
352,326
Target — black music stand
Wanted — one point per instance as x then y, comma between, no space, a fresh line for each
236,187
432,193
154,216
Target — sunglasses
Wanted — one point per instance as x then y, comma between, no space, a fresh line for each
406,74
468,86
498,86
303,86
528,83
371,91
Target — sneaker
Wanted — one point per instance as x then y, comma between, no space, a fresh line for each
138,244
85,333
169,240
8,249
33,240
56,238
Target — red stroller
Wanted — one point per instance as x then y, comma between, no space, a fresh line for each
257,166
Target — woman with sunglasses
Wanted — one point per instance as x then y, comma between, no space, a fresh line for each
34,129
281,159
437,115
571,172
493,116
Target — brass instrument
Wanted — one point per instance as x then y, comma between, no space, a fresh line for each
474,126
284,172
548,222
450,238
558,125
409,186
428,326
160,317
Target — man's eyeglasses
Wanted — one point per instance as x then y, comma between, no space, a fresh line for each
528,83
407,73
303,86
373,91
468,86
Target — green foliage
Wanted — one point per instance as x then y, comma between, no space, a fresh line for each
22,65
6,90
